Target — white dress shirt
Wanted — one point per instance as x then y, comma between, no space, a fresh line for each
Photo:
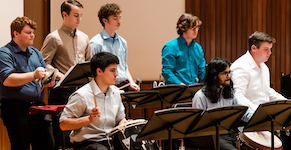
252,82
81,104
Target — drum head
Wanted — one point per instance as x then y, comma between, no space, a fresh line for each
261,139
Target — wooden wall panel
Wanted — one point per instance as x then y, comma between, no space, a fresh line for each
227,24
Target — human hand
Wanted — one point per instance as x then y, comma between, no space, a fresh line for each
60,76
39,73
51,84
182,83
134,86
95,114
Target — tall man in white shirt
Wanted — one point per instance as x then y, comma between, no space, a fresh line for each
251,76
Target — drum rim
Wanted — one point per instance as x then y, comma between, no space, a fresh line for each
128,125
258,145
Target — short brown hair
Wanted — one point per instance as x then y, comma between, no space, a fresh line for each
108,10
66,6
257,38
187,21
18,24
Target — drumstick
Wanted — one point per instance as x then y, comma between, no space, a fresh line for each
95,101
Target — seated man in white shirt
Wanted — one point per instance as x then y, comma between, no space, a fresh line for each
92,125
251,76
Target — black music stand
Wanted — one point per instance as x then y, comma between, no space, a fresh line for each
169,93
219,120
270,116
189,92
77,75
139,97
175,123
170,124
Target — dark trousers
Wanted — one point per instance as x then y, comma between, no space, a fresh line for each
91,145
59,96
226,142
24,128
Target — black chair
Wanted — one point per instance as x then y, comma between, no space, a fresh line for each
286,85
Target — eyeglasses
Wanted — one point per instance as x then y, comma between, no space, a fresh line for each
225,74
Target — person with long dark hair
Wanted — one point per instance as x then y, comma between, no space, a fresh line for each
218,92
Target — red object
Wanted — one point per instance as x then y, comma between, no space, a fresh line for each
46,109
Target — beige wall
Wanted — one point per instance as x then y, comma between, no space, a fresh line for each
146,25
7,16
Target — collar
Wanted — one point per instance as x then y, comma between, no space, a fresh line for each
69,31
17,49
106,36
96,90
252,62
182,40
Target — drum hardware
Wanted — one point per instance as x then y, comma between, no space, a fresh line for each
124,136
155,84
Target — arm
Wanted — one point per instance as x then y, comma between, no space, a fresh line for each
94,46
48,52
275,95
169,64
88,53
240,80
201,66
77,123
248,114
19,79
199,100
129,78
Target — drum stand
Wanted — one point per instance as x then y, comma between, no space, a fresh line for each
54,111
177,123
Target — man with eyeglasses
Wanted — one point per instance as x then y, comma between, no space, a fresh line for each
218,92
251,76
183,58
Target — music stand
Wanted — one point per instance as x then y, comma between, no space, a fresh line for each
169,93
189,92
139,97
169,124
77,75
218,120
272,116
175,123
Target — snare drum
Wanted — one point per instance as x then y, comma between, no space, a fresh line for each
258,140
124,136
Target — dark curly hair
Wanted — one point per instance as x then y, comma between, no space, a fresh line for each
18,24
108,10
187,21
212,89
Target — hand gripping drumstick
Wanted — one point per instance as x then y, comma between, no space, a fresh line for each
138,81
